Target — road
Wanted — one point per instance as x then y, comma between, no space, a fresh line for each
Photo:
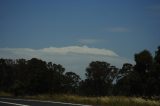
27,102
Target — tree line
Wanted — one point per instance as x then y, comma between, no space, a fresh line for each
35,76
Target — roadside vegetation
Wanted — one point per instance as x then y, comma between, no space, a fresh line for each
94,101
99,101
134,85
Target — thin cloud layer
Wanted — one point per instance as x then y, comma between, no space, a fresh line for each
60,51
79,50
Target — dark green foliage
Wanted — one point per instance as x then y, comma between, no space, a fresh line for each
22,77
157,56
71,82
123,85
144,62
100,76
7,74
34,76
143,79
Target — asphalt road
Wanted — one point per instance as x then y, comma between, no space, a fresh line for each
27,102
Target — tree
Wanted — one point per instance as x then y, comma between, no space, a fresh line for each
100,76
71,82
3,73
6,74
153,82
144,62
19,84
123,85
56,78
36,76
157,56
135,80
126,69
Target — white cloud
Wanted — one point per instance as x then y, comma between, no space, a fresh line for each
60,51
73,58
118,29
79,50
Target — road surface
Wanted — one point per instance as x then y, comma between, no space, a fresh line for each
27,102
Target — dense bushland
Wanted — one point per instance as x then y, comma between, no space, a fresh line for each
35,76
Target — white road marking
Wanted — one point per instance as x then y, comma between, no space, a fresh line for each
13,103
46,102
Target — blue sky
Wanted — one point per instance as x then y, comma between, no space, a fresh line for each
123,27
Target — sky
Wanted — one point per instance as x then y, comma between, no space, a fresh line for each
75,32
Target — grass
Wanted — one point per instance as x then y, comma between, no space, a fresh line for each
95,101
99,101
5,94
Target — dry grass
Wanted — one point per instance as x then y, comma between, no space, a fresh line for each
100,101
5,94
95,101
